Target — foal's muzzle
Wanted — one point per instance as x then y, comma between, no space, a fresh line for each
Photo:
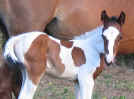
108,64
108,60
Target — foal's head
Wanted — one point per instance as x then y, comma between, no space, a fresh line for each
111,34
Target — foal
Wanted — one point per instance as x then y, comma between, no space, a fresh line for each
80,59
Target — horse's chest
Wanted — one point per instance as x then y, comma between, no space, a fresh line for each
64,61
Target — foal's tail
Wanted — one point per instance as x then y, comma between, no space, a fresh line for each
9,51
11,63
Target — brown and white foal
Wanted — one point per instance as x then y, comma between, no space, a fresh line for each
80,59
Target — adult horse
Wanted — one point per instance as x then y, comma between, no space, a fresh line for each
7,83
82,58
25,15
66,18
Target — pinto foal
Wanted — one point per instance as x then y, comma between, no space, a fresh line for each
80,59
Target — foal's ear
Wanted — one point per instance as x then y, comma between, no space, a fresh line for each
104,16
121,19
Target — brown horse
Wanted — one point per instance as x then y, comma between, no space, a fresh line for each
66,18
7,83
81,58
25,15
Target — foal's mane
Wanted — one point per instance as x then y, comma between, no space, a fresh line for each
87,35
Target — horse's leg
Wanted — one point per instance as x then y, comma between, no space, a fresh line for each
86,83
16,85
5,81
31,79
28,87
6,95
77,90
35,65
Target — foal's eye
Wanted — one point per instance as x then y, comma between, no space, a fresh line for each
120,37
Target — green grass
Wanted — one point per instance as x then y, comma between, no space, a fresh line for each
126,60
97,95
54,92
118,97
124,84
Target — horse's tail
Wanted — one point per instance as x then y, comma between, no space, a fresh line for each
4,31
9,51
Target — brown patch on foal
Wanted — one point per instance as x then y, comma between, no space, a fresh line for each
78,56
35,58
67,44
53,55
100,68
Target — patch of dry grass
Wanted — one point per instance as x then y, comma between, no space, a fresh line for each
113,83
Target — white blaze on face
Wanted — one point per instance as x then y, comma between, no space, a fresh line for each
111,34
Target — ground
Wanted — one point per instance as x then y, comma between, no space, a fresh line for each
115,82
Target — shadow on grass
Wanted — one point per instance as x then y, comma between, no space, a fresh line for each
126,60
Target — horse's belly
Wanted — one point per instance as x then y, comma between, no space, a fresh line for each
70,71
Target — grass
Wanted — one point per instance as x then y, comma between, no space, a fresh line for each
52,90
117,84
124,84
126,60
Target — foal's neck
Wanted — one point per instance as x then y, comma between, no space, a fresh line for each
87,35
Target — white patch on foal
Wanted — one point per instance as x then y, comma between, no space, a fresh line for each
66,58
111,34
9,49
16,52
28,88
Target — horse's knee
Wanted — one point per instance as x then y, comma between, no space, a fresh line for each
35,71
6,95
36,76
28,87
85,78
16,85
86,83
77,90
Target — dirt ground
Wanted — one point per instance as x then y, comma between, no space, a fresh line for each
114,83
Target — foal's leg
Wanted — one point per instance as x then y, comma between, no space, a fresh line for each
28,87
35,63
77,90
86,83
31,77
